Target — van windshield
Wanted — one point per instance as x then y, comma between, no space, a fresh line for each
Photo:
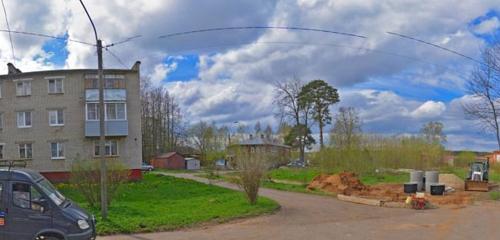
51,191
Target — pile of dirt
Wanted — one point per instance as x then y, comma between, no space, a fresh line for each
345,183
451,180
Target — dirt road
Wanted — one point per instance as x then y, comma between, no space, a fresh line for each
311,217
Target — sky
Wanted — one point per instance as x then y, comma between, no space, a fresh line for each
396,85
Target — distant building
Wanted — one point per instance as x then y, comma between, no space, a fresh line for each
192,164
494,157
171,160
50,118
279,153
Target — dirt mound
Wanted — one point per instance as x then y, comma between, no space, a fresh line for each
344,183
347,183
451,180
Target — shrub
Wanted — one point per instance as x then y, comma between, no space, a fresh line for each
464,158
380,152
86,177
251,168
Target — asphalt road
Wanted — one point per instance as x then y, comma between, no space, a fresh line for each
312,217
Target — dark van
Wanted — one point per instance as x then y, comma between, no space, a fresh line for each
31,208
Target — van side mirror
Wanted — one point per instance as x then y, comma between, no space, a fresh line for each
41,204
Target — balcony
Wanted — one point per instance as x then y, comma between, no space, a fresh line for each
115,128
92,95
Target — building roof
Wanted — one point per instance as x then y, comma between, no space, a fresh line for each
261,141
167,155
15,72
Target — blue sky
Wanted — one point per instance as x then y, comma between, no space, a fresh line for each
397,87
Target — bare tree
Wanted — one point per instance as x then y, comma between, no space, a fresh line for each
162,125
432,132
484,86
286,98
346,131
203,135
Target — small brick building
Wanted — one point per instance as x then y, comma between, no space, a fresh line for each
171,160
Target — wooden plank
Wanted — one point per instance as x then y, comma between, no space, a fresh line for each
359,200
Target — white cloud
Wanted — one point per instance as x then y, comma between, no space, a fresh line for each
235,82
429,109
161,71
487,26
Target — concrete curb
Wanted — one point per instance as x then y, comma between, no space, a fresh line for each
359,200
370,202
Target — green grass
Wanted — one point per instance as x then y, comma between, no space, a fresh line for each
176,170
373,179
495,195
160,203
304,175
494,173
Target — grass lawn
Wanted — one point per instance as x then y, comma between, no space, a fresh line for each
386,177
304,175
160,203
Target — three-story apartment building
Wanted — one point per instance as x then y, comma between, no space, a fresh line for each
51,118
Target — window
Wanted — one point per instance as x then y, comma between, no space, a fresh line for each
115,111
24,196
25,151
56,117
23,88
1,121
110,147
1,150
57,150
55,85
110,81
92,111
23,119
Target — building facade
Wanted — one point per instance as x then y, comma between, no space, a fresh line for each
51,118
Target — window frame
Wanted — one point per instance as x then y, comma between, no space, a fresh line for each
24,119
2,151
106,117
55,79
30,194
25,150
57,124
1,121
26,91
59,147
106,144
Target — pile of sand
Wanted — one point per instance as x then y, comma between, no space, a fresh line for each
451,180
343,183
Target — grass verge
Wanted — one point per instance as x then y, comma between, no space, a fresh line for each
162,203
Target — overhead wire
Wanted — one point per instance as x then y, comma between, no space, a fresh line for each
8,28
115,57
260,27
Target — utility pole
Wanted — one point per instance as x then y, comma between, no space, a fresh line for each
102,132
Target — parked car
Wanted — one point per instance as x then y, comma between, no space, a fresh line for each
297,163
32,208
147,167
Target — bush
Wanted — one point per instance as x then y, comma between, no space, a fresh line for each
464,158
86,177
380,152
251,168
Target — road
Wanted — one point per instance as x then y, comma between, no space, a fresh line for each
313,217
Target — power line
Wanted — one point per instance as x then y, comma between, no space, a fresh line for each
123,41
10,36
116,57
435,45
46,36
260,27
